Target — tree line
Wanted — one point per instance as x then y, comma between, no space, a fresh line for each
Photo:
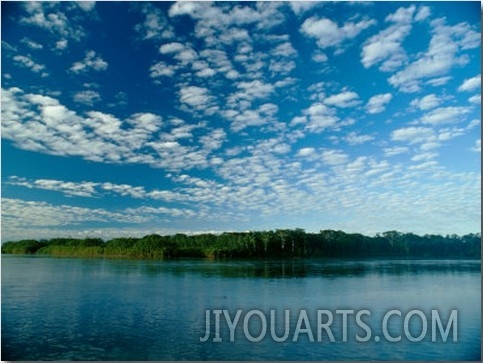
280,243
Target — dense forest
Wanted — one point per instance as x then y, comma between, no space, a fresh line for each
282,243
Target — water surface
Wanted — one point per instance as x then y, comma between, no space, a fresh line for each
108,309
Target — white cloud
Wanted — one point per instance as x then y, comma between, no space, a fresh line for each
255,89
91,61
186,56
252,117
161,69
155,25
61,44
40,123
334,157
282,66
284,50
344,99
29,214
320,57
214,22
427,102
234,35
87,97
97,189
306,152
218,60
206,72
319,118
52,17
395,150
377,103
413,134
445,115
328,33
476,99
214,140
442,54
256,156
172,212
477,147
354,138
173,47
402,15
423,13
86,5
470,84
31,44
438,81
301,7
196,97
424,156
386,46
84,189
29,63
185,8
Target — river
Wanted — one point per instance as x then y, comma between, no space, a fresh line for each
120,309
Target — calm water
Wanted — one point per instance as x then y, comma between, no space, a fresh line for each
96,309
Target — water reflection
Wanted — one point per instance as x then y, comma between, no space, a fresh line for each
297,268
120,309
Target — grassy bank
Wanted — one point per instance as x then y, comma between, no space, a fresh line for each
265,244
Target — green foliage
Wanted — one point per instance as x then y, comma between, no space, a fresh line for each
154,246
22,247
282,243
72,250
119,247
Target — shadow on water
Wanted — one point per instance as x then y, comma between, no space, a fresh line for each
297,268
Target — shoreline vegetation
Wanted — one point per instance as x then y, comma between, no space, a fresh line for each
281,243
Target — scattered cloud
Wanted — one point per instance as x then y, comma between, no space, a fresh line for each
54,18
334,157
198,98
87,97
237,114
318,117
155,25
343,99
477,146
413,134
27,62
301,7
445,115
476,99
86,5
470,84
427,102
31,44
386,46
377,103
443,53
395,150
30,214
40,123
91,61
353,138
328,33
306,152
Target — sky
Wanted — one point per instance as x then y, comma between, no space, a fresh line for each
130,118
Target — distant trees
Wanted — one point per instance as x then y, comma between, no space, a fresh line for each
282,243
22,247
88,247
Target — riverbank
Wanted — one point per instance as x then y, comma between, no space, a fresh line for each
285,243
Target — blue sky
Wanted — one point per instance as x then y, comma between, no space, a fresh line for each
129,118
